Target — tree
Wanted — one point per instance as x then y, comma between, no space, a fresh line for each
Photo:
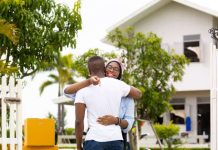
64,65
45,28
80,64
10,31
150,68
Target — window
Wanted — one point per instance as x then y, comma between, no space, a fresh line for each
192,47
177,115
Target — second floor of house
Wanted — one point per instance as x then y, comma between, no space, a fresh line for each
185,29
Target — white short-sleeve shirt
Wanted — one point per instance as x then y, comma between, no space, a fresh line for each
100,100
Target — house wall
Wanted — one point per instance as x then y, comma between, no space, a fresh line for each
171,23
191,110
215,22
191,102
215,25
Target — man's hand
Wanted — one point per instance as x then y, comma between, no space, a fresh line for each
95,80
107,120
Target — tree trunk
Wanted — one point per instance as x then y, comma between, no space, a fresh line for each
60,112
131,140
134,134
59,119
155,133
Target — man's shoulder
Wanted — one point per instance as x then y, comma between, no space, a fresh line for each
84,89
112,80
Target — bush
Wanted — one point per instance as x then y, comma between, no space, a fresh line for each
166,132
179,148
69,131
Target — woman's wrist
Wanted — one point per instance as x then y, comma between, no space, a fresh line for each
118,121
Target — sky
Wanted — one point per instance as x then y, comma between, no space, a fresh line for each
97,17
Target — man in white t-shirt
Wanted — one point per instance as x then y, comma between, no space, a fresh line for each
99,100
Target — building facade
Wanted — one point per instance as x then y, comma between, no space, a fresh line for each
183,26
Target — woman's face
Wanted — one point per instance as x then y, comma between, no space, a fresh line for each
113,70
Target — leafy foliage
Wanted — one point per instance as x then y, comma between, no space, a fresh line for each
80,64
63,66
45,28
69,131
9,70
12,33
166,132
150,68
9,30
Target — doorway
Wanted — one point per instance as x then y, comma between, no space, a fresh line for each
203,119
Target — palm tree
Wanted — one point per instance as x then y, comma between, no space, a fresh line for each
64,68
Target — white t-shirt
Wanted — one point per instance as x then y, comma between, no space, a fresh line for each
100,100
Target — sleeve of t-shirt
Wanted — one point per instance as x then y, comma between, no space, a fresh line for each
79,97
125,88
71,96
129,113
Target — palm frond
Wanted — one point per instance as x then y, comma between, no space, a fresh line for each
44,85
54,77
18,2
9,30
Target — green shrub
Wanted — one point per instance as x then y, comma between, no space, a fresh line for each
178,148
166,132
69,131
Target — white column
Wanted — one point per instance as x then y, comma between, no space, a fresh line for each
213,97
191,108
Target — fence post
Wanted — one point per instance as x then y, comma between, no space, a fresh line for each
12,110
11,96
19,116
4,110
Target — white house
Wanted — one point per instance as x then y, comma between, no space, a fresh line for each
184,26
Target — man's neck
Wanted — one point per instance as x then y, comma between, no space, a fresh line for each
100,75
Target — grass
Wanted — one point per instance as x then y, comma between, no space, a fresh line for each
178,148
141,148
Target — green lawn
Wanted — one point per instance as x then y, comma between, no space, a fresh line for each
179,148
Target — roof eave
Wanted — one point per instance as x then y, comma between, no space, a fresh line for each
136,16
151,7
198,7
139,14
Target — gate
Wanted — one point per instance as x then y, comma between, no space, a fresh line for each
11,115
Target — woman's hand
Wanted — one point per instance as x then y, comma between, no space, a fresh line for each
107,120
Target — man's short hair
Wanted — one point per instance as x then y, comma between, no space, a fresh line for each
96,65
